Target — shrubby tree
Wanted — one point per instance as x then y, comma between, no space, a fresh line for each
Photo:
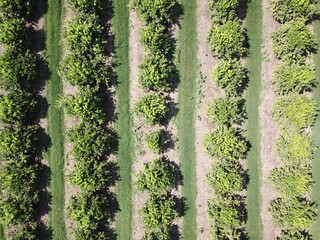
150,11
293,42
82,71
226,178
28,231
287,10
294,78
155,39
154,73
291,181
85,35
222,10
294,235
161,233
90,233
228,216
224,143
86,105
13,32
293,213
153,107
84,6
156,176
156,141
158,211
90,141
226,111
294,109
17,107
230,76
294,148
227,40
87,209
15,8
17,70
17,141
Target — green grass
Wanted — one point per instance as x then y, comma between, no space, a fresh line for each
316,131
55,129
124,122
188,68
254,26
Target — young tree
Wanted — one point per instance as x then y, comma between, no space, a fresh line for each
294,235
223,10
84,6
156,141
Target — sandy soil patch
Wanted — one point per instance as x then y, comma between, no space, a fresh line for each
269,131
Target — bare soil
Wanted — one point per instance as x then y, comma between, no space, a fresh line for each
269,128
203,126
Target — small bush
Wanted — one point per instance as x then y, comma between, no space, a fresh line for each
293,42
230,76
294,78
223,143
226,111
93,6
157,175
153,107
222,10
157,234
294,235
294,110
227,40
156,141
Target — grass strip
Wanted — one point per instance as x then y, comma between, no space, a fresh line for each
55,154
253,63
316,133
125,155
188,67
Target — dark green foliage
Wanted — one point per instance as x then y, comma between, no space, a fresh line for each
156,40
227,40
293,41
24,232
230,76
17,70
226,178
291,181
18,141
226,111
222,10
87,209
223,143
287,10
158,211
84,6
154,73
294,235
150,11
86,105
294,78
227,216
293,213
156,141
157,176
90,234
294,110
90,141
84,35
157,234
13,32
294,148
153,107
17,108
15,8
81,71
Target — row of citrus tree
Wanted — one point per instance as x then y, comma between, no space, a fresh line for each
295,111
225,144
20,162
85,66
158,177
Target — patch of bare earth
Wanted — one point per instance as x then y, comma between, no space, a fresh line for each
142,154
269,128
203,126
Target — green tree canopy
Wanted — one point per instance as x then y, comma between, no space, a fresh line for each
156,141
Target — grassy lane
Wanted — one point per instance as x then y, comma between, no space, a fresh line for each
316,131
188,47
254,26
55,130
124,122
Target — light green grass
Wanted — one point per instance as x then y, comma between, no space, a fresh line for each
187,45
316,131
254,26
55,129
120,24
